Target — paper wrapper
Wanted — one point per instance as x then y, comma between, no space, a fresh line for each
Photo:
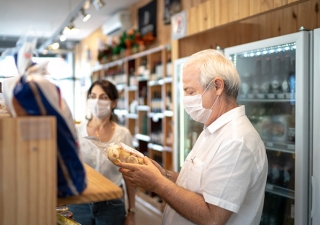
119,152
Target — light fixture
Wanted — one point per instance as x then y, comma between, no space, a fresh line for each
70,29
55,46
86,16
62,37
98,4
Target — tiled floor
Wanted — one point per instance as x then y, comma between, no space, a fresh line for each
146,214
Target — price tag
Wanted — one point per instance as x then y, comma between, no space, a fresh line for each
291,147
269,144
269,186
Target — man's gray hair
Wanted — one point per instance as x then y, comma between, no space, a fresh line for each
213,63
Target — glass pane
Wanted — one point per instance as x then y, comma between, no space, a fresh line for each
268,92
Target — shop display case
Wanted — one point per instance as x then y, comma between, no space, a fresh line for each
144,82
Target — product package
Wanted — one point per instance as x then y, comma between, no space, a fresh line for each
117,151
30,94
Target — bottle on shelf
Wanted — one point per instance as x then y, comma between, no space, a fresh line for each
286,74
292,124
255,87
265,84
276,80
292,82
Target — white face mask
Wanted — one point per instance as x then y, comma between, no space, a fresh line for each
193,106
99,108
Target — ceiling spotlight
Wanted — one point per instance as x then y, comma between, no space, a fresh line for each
55,46
86,16
71,29
98,4
63,37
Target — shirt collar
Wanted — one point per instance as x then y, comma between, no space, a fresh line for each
226,118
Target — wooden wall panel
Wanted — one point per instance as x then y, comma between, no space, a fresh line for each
244,8
233,10
279,3
289,22
315,8
254,7
305,9
266,5
216,5
224,11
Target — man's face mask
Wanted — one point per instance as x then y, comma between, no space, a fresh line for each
193,106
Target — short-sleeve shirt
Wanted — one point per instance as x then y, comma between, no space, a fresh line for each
228,167
94,157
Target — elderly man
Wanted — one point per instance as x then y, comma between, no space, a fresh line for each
223,178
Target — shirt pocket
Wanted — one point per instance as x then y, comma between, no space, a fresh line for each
195,175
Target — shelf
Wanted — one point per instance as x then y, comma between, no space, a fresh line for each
281,147
156,82
167,149
156,116
284,192
167,80
132,116
132,88
120,86
119,62
120,112
143,108
142,78
271,98
99,189
155,147
143,137
168,113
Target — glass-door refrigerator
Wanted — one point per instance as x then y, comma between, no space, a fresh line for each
275,81
315,181
186,129
275,91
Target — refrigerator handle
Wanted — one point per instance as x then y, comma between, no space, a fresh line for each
312,196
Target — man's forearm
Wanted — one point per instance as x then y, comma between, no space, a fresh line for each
188,204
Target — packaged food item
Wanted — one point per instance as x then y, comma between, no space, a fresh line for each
119,152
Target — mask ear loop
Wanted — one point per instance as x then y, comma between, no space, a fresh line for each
215,102
206,88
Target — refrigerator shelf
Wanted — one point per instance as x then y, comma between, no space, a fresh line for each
265,100
281,147
284,192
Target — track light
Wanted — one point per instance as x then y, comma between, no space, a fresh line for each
98,4
70,29
62,37
86,16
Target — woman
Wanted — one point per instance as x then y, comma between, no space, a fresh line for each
102,100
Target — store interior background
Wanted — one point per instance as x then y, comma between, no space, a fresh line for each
210,23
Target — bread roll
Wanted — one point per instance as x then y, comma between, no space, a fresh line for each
119,152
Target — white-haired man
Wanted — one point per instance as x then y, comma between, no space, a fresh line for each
223,178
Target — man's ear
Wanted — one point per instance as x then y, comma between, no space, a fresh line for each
219,85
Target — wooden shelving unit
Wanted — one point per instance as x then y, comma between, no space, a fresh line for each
146,102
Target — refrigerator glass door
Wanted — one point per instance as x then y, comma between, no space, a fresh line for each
315,180
274,90
186,129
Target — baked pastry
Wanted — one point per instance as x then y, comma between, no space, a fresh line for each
119,152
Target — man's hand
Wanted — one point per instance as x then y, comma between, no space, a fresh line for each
145,176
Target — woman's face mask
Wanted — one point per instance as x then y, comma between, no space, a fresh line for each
99,108
193,106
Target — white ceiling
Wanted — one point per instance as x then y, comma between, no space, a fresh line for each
47,18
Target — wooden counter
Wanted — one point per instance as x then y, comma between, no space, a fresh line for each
99,189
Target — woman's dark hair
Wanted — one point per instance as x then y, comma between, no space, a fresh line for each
112,92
